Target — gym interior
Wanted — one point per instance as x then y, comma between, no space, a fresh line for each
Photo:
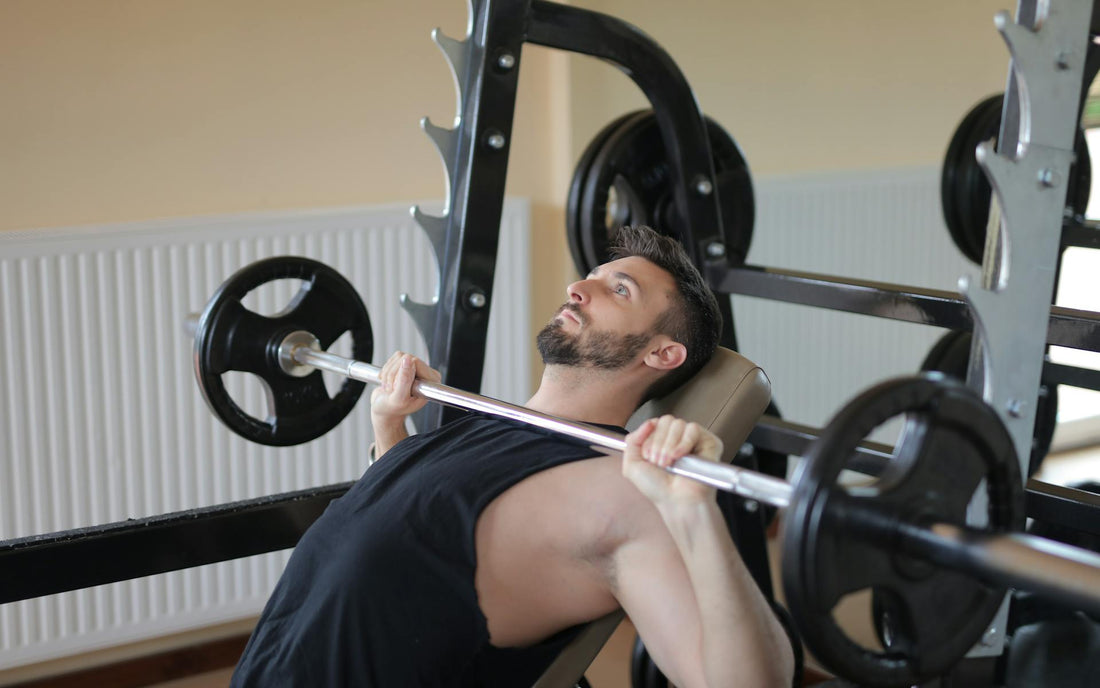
152,149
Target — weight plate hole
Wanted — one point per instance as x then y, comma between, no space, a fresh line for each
249,392
854,614
856,481
274,297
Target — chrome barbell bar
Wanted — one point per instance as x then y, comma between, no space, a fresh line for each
1057,570
300,351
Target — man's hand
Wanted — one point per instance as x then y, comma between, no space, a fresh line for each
702,616
657,444
392,401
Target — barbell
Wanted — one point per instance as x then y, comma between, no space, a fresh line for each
906,536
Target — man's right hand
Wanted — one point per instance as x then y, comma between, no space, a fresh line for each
392,400
655,446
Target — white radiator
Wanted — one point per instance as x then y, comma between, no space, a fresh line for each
101,419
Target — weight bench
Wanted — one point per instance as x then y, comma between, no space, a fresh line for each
727,397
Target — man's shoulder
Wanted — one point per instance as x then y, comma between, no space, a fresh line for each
600,490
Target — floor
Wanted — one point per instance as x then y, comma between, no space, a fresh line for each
213,679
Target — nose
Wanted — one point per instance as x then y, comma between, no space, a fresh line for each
577,292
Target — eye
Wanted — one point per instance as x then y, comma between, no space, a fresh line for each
621,289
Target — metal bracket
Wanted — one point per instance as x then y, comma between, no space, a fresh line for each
1028,173
485,66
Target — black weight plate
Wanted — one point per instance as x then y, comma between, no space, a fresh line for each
230,337
934,360
1079,187
632,164
951,355
975,192
1046,420
965,192
598,215
839,541
950,186
573,222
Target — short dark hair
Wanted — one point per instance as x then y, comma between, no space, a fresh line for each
693,318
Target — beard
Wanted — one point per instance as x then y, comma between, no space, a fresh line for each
592,349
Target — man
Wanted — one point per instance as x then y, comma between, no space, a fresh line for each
468,556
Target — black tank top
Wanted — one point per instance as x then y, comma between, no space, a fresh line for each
380,590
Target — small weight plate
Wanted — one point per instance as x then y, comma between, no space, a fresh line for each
975,191
231,337
940,351
840,540
950,186
951,355
624,178
573,222
965,192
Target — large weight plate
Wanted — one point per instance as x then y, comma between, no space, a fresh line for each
573,223
624,178
230,337
965,192
839,539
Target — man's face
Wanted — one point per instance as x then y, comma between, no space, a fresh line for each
609,318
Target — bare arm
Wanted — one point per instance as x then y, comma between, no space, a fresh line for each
392,401
700,613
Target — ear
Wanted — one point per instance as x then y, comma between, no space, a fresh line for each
666,354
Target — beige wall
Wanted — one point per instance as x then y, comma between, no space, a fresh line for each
127,109
808,85
120,110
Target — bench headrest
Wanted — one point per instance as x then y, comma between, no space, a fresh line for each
727,396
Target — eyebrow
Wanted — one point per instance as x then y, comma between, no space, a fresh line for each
620,275
627,278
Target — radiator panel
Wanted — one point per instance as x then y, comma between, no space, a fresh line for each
101,419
